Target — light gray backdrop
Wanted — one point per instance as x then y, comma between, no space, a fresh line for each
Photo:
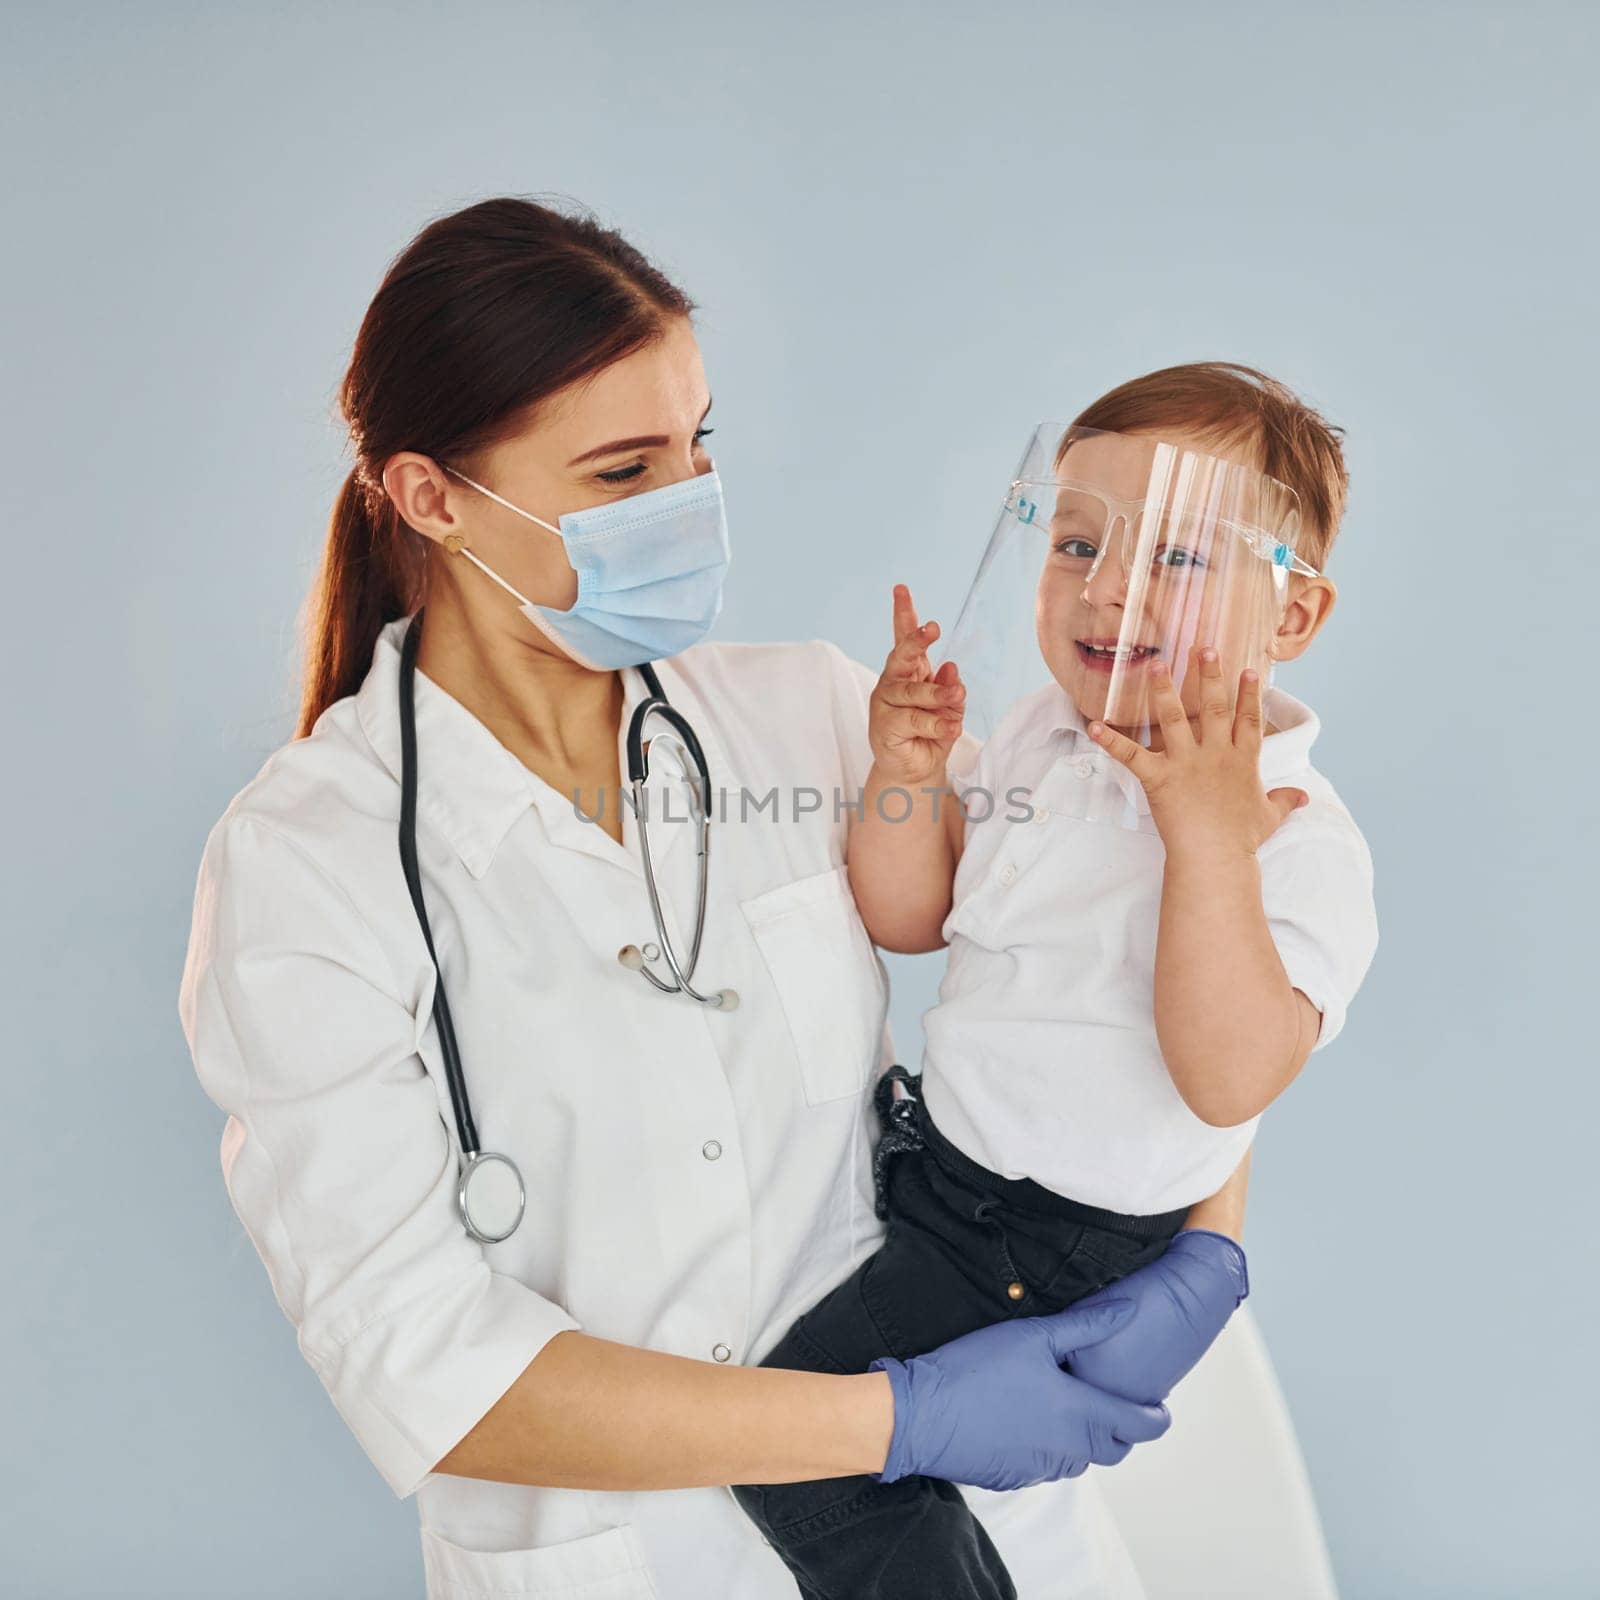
914,230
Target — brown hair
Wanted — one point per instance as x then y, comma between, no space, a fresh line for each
487,312
1238,406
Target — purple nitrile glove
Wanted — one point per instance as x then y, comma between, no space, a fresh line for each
1181,1303
996,1409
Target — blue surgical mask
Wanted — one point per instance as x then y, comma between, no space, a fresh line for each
650,572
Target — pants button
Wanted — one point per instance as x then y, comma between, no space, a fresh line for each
1014,1290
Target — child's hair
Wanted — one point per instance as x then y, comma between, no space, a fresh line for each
1236,406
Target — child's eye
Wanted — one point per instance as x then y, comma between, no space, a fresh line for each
1078,549
1176,556
703,433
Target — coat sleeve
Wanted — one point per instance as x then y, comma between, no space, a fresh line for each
337,1158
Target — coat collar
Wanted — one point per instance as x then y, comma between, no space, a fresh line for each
472,790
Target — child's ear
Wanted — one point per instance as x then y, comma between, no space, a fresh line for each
1310,605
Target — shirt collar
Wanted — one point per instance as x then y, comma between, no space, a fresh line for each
1285,752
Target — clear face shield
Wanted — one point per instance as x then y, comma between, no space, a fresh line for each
1114,551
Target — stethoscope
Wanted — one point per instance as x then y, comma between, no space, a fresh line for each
489,1192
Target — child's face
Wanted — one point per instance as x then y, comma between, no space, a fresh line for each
1125,584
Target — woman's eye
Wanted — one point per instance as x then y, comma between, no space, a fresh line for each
628,474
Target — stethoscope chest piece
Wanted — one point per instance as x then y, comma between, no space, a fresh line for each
490,1196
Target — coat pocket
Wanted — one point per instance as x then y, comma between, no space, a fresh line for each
828,977
608,1565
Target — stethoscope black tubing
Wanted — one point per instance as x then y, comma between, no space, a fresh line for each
465,1128
656,704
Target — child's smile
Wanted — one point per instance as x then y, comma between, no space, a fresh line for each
1101,655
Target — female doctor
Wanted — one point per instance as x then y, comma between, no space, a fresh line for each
533,514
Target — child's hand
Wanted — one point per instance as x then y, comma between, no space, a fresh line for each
915,715
1205,787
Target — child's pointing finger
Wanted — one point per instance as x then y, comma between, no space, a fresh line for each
905,615
909,657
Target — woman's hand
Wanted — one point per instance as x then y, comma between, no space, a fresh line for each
1204,786
1181,1303
994,1408
915,715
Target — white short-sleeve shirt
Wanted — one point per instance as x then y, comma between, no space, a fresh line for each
1042,1060
695,1178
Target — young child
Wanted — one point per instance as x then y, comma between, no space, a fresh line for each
1120,1003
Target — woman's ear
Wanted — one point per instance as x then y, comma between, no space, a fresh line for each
417,486
1309,607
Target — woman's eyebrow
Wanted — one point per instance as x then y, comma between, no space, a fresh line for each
644,441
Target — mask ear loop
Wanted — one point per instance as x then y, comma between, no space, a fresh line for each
498,501
457,546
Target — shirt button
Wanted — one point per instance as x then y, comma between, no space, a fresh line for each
1008,875
1085,768
1041,813
711,1149
720,1352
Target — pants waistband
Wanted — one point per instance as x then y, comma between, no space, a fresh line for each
1030,1196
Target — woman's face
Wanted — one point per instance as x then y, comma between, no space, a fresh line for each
1106,611
635,425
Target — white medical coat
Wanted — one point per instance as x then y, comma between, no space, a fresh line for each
695,1178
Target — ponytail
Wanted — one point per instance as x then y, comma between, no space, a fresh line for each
371,571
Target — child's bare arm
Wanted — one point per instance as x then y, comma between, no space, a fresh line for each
903,848
1223,1212
1234,1032
1233,1029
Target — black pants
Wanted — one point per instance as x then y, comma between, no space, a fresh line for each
964,1248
